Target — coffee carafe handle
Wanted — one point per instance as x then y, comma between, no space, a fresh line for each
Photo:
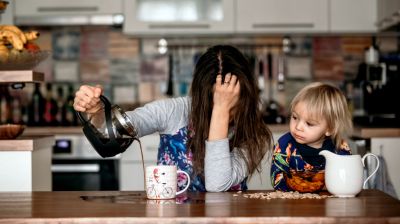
376,168
107,112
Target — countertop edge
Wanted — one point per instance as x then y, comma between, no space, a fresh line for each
358,131
369,132
27,143
239,220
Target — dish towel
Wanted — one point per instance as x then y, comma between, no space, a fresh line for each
381,180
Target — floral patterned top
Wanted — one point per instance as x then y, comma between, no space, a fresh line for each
169,117
288,154
173,151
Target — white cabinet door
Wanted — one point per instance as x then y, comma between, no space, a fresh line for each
131,168
62,7
388,13
353,16
7,16
262,180
70,12
282,16
183,17
389,149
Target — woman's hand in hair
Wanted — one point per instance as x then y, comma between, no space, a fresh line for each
87,99
226,96
226,92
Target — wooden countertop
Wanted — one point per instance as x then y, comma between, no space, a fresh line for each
27,143
33,131
358,131
370,206
368,132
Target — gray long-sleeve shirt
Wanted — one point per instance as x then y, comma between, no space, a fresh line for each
222,168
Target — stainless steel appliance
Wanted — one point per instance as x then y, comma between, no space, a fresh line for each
379,83
77,166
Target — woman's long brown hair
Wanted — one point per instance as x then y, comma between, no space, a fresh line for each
250,132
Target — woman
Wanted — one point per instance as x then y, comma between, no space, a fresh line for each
216,134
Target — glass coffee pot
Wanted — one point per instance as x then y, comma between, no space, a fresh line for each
120,131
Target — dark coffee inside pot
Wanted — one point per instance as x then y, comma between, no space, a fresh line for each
120,131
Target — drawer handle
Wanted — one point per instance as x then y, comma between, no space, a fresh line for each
77,168
282,25
179,26
68,9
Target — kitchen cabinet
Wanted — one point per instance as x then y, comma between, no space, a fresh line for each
353,16
388,13
25,163
71,12
131,168
388,148
7,16
171,17
262,180
384,142
281,16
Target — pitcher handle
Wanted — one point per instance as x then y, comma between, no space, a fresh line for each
188,183
376,168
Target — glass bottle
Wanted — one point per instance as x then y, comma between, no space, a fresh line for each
5,105
50,107
70,114
35,116
61,107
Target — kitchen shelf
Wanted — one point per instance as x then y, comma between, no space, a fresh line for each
368,132
37,131
20,76
26,143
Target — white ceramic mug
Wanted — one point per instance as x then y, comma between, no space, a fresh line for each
161,182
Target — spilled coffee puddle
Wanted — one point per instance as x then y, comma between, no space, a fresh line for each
140,199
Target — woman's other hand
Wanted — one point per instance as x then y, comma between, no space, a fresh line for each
87,99
226,96
226,93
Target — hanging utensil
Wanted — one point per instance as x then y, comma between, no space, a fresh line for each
170,85
281,72
273,108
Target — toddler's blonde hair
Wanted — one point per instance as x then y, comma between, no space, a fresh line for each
326,101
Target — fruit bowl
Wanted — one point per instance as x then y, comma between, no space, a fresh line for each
24,60
307,181
11,131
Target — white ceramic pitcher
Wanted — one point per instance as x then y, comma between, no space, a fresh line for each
344,173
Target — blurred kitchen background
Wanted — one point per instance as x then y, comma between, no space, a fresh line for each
142,50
